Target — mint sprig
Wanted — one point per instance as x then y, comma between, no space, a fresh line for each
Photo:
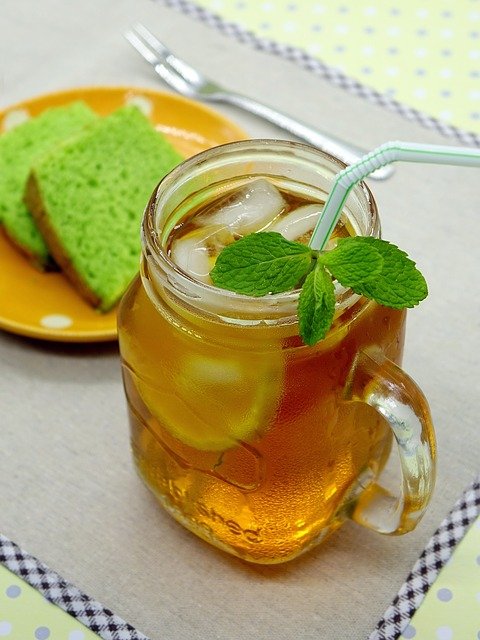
263,263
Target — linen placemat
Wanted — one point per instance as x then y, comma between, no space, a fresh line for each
437,597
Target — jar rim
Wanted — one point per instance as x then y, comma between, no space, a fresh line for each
153,244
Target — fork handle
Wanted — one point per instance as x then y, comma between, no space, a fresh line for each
345,151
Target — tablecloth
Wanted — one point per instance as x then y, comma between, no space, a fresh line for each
419,59
69,493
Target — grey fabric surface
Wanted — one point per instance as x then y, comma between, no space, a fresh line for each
69,494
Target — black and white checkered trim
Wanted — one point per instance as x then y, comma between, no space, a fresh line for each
426,569
111,627
68,597
332,74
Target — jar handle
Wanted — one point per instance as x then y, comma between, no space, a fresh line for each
377,381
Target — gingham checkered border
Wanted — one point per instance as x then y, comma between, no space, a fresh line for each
300,57
55,589
110,627
426,569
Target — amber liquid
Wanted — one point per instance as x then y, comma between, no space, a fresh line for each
242,432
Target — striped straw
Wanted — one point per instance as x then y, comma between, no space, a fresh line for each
379,157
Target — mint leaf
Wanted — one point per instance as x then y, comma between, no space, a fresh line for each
262,263
353,263
399,283
265,262
316,305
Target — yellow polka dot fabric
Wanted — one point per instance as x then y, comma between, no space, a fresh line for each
451,608
26,615
423,54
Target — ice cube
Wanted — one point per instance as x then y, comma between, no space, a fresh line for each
247,210
197,251
298,223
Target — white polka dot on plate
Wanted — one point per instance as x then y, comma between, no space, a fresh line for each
5,628
56,321
15,117
42,633
144,104
76,635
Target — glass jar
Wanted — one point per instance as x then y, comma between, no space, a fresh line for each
257,443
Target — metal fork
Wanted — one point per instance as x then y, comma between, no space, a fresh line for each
190,82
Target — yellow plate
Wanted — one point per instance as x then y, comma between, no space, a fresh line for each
44,305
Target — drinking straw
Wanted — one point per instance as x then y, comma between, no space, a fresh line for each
379,157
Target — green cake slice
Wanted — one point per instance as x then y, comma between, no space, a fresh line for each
19,149
88,198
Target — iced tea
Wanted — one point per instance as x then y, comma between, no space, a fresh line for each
249,438
240,430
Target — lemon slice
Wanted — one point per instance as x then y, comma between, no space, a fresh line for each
213,403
